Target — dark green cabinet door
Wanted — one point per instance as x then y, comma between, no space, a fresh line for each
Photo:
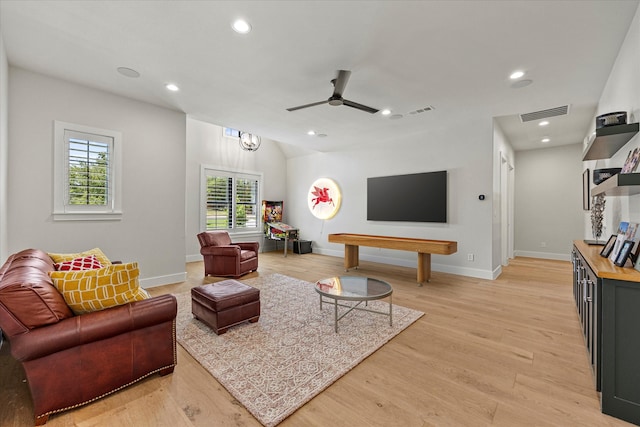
621,350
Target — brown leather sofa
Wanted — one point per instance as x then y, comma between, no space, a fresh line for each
225,258
73,360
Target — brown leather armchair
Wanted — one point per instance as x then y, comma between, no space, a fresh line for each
71,360
224,258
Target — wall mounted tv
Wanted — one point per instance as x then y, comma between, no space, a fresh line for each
418,197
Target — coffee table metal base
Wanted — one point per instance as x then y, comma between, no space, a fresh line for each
356,306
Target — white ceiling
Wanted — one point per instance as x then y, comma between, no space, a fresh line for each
404,55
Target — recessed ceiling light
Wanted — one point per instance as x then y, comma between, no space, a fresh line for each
543,123
241,26
321,135
172,87
385,112
395,117
129,72
311,132
516,75
545,140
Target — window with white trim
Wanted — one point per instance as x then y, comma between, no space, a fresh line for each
230,200
86,173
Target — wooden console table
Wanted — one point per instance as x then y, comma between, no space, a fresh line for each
423,247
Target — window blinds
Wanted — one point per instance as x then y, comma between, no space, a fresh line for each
88,168
231,201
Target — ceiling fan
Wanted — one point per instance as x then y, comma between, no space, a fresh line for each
336,99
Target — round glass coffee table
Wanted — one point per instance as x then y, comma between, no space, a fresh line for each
357,289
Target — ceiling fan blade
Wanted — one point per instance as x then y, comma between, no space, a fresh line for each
313,104
340,82
359,106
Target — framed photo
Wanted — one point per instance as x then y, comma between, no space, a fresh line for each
586,194
606,250
624,253
627,163
637,263
631,164
634,254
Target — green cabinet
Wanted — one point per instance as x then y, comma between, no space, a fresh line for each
621,350
608,305
587,292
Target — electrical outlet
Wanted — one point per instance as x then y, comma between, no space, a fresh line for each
470,257
543,244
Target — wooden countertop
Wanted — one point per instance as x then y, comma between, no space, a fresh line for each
605,268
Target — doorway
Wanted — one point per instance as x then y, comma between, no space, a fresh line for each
506,209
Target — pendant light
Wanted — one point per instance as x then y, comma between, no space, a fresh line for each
249,141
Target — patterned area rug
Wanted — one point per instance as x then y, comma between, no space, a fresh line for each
292,353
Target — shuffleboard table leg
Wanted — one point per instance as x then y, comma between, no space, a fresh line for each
424,268
351,257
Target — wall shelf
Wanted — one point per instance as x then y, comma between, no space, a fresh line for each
609,140
622,184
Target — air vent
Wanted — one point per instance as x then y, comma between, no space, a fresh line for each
544,114
422,110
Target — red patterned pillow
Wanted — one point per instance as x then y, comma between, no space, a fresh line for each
84,263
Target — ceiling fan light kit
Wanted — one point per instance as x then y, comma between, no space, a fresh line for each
336,99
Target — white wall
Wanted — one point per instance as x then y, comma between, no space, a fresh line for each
4,148
152,230
621,93
207,146
465,152
548,201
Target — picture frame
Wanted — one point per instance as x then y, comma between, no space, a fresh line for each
635,160
608,247
637,261
622,236
624,253
634,253
627,163
586,193
631,164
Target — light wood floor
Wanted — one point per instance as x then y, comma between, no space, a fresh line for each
507,352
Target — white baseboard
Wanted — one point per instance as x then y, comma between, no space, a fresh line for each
497,272
543,255
194,258
469,272
151,282
443,268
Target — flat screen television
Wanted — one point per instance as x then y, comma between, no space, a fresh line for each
418,197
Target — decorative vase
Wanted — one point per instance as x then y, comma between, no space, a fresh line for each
597,211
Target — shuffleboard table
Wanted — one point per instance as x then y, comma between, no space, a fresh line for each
423,247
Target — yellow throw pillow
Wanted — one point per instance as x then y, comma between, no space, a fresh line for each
100,256
92,290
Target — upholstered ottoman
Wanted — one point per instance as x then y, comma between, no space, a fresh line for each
224,304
